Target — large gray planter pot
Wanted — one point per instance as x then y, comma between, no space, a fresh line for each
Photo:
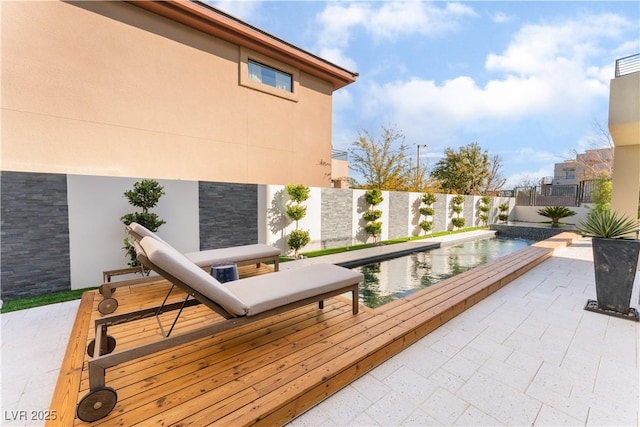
615,262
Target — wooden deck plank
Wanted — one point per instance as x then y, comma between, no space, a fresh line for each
268,372
246,372
214,372
65,396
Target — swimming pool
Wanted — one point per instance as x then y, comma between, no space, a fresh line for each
391,279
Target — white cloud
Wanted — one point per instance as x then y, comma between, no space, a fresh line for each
336,56
383,21
546,71
398,18
529,155
627,48
342,100
556,48
248,11
337,21
500,17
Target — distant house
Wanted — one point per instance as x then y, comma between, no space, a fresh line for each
587,165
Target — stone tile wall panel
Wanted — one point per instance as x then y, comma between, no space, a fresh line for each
398,214
228,214
34,230
336,219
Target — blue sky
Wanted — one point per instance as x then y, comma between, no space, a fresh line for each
526,80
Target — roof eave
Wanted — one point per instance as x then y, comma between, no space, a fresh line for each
218,24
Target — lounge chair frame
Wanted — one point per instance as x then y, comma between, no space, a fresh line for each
109,304
89,410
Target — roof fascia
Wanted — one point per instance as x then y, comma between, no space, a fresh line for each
218,24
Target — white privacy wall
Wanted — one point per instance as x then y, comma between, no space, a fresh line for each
96,233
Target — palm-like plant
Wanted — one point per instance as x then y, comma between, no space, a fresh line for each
555,213
607,224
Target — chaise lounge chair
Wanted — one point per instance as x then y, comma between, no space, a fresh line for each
238,302
239,255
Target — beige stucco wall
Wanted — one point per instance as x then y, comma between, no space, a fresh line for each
108,89
624,125
626,180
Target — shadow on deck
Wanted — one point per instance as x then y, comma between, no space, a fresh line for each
270,371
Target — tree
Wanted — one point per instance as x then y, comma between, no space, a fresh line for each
598,157
463,172
527,181
495,180
601,194
383,163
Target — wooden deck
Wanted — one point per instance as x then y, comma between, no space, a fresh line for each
270,371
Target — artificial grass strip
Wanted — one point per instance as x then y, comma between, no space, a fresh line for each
40,300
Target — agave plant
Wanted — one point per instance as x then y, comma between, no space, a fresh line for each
556,213
607,224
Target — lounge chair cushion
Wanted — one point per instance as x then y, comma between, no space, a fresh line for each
142,231
265,292
176,264
237,254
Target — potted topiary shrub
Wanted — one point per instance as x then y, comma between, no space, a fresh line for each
456,207
615,259
428,199
556,213
144,195
484,208
296,211
373,227
503,215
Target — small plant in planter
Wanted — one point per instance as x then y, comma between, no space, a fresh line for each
427,211
615,259
484,208
456,207
144,195
373,227
556,213
503,215
297,239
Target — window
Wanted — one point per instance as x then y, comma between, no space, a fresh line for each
270,76
264,74
570,173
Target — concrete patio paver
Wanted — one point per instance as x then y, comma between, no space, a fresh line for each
33,346
526,355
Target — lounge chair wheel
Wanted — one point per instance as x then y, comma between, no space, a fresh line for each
111,345
97,404
107,305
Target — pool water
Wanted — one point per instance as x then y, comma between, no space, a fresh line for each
395,278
